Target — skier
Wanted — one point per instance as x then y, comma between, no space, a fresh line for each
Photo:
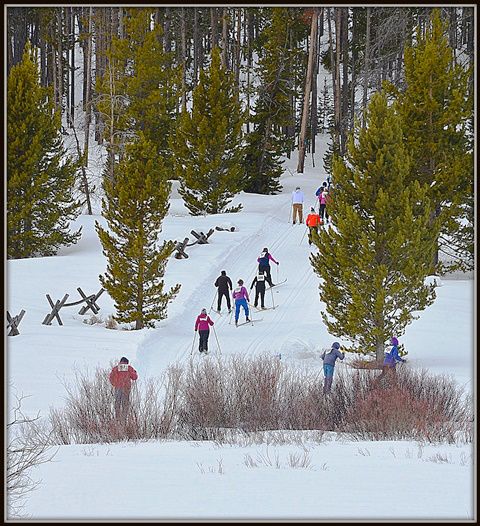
329,358
121,378
224,286
202,326
259,283
321,189
323,202
297,203
392,358
264,265
313,222
240,295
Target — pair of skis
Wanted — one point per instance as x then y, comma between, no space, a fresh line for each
251,322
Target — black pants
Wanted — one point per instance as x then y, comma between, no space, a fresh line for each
322,211
260,292
266,271
222,293
203,335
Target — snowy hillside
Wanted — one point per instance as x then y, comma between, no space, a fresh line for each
192,480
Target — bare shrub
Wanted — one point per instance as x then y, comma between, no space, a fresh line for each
110,322
29,445
89,415
93,320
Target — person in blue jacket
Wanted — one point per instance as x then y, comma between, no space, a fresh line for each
392,357
329,358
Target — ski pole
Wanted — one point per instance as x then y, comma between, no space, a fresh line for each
193,343
277,272
214,298
216,338
303,235
273,301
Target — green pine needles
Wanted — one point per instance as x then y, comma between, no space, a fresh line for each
374,261
207,145
135,204
40,176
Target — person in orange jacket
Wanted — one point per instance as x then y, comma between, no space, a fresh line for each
313,222
121,378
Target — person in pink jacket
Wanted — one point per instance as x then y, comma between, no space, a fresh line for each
240,296
202,325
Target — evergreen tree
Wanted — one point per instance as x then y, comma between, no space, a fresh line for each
207,144
277,70
40,176
437,106
135,204
374,261
141,87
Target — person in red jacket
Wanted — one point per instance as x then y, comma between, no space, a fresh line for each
121,378
202,326
313,222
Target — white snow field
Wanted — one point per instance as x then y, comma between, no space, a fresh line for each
200,480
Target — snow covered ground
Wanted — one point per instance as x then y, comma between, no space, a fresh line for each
161,480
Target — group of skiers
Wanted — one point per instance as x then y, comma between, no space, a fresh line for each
123,374
314,220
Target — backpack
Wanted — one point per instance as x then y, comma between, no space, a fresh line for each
264,259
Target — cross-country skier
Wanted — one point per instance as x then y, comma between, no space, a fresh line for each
259,283
313,222
323,202
329,358
121,378
224,286
202,326
264,264
297,203
240,295
321,189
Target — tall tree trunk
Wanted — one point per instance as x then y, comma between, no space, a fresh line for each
184,58
338,86
354,65
344,91
366,68
238,45
224,55
195,45
308,90
214,23
314,112
72,67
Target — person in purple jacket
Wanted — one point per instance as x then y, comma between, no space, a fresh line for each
202,325
240,296
264,265
329,358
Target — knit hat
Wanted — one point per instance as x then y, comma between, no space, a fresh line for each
123,360
394,341
240,281
312,209
298,188
204,311
336,346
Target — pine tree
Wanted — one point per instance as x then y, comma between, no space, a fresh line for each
277,70
207,144
141,87
373,262
40,175
135,204
437,106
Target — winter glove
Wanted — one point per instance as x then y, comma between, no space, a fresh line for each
278,263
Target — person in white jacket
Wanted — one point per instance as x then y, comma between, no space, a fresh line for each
297,203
